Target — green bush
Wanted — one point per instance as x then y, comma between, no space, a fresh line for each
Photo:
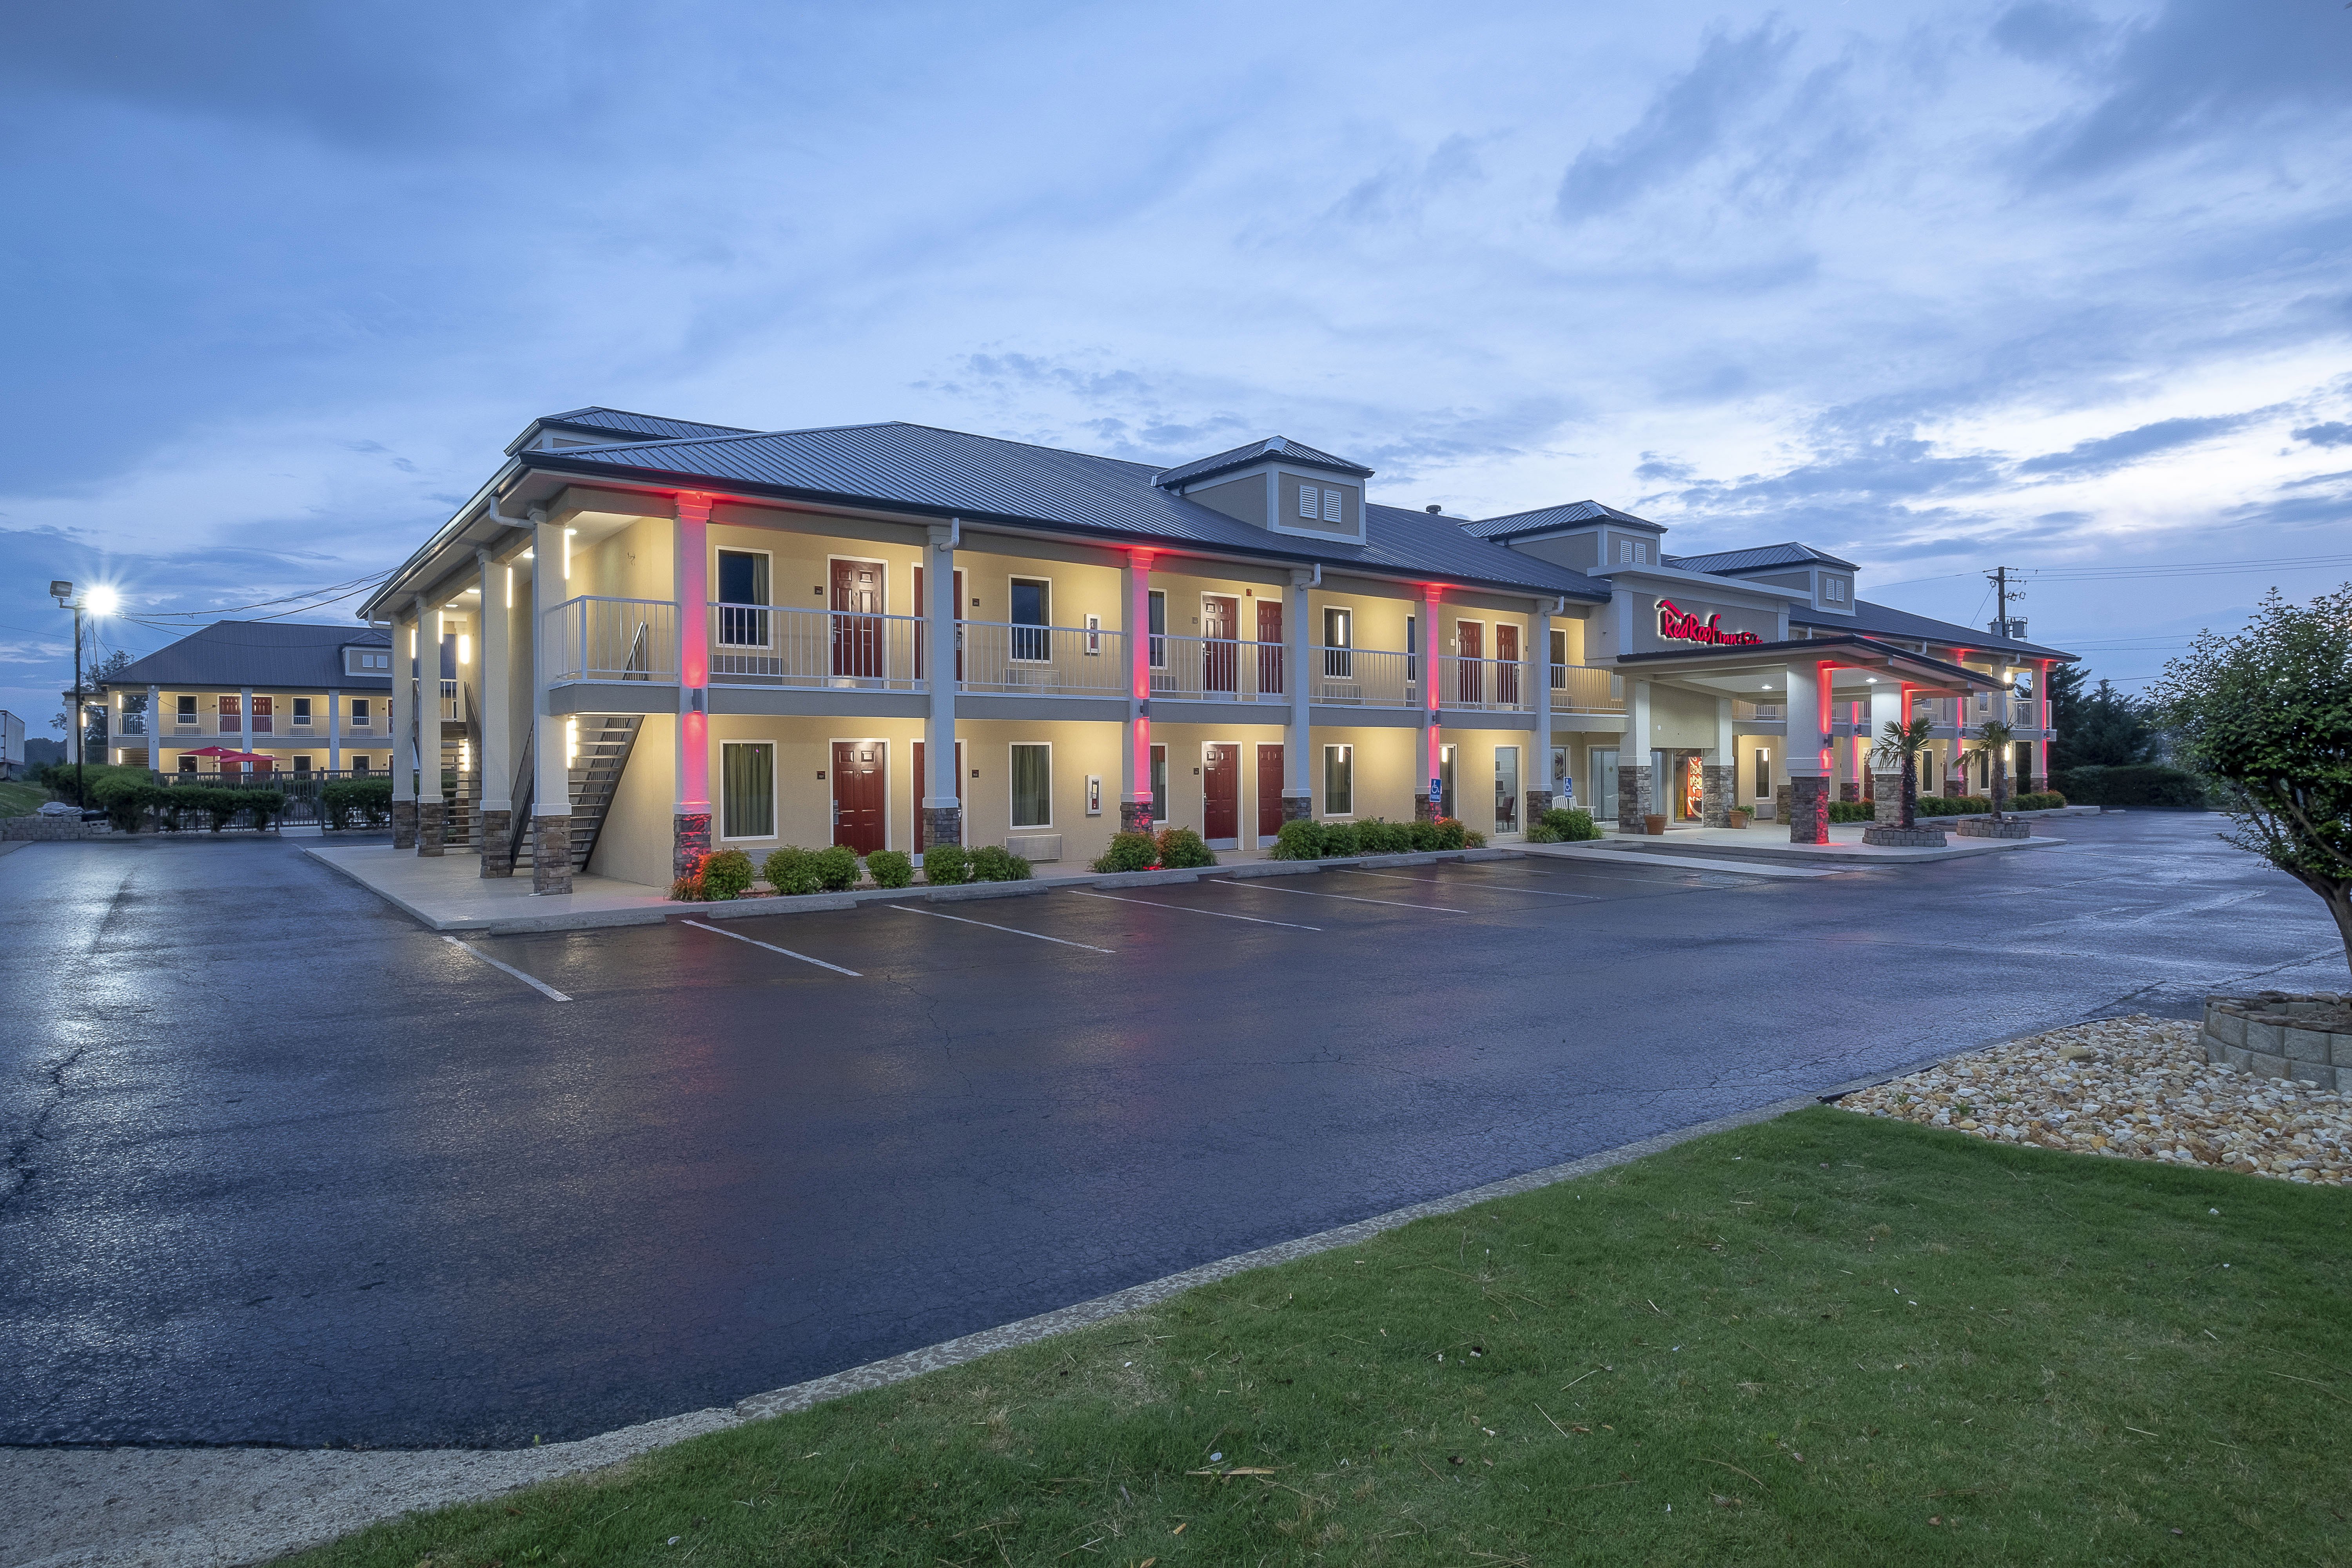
2140,784
946,865
996,863
1452,834
726,875
1378,836
1573,825
2037,800
1952,805
346,803
1339,840
1299,840
890,869
688,889
58,778
125,800
1130,852
1853,811
1181,849
836,867
793,870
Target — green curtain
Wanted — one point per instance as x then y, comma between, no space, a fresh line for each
1033,786
1339,781
747,779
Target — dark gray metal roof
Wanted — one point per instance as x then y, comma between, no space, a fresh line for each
1732,563
949,473
1542,520
619,422
260,653
1885,620
1272,448
1847,638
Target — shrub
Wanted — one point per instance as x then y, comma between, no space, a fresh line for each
2140,784
688,889
726,875
1339,839
1953,806
1299,840
1473,839
369,800
1130,852
1853,811
996,863
58,779
1571,825
2037,800
1425,835
836,867
1379,836
945,865
890,869
1181,849
792,869
1452,834
125,800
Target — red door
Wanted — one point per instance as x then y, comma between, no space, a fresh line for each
1470,681
922,625
1269,793
1507,665
1221,790
262,720
857,610
922,783
859,802
1269,648
1220,623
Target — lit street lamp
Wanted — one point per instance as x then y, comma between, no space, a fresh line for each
99,601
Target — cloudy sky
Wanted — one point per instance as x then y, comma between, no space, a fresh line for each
1938,287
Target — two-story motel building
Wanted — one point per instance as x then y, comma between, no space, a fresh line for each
670,636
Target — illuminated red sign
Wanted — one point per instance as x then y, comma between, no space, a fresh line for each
1673,623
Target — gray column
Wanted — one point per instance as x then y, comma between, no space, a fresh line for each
245,721
551,806
397,702
154,728
496,765
1636,789
1539,794
942,789
334,730
432,809
1299,741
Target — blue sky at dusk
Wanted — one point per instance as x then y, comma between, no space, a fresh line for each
1939,288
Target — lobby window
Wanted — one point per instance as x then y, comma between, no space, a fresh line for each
1030,603
747,788
1339,781
1158,783
1339,643
1507,789
1763,773
1033,786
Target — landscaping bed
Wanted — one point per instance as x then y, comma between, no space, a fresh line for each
1825,1339
2136,1088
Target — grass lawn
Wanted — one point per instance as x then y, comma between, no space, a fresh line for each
1827,1339
21,799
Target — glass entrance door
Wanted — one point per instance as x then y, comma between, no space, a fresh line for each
1602,762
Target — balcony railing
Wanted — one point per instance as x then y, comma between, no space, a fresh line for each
1047,661
757,645
1490,685
1218,669
1582,689
452,702
1364,678
1758,712
591,638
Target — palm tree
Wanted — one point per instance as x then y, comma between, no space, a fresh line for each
1902,743
1994,746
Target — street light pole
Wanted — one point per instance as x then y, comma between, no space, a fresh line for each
63,592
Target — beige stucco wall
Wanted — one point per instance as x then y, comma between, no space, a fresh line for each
634,845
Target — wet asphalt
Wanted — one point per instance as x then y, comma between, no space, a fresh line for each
283,1168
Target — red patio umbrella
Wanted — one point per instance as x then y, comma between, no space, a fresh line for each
224,754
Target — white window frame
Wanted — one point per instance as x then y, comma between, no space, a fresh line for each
300,712
727,838
1159,639
1094,636
719,640
1324,783
1012,788
1044,628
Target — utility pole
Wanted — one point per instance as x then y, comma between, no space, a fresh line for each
2003,593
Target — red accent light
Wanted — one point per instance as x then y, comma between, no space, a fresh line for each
1680,626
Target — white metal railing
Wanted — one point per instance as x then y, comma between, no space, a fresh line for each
760,645
1219,669
1045,661
1758,712
452,702
1364,678
1493,685
1587,688
591,638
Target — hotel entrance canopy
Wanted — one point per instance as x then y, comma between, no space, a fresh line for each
1746,669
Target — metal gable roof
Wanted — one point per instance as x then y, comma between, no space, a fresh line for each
1726,562
622,423
1543,519
1885,620
1273,448
949,473
260,653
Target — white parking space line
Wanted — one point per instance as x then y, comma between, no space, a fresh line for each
532,981
771,947
1253,887
1009,930
1483,887
1188,909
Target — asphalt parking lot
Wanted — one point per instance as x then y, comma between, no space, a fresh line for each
284,1168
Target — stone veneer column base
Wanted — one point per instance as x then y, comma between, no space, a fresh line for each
1888,795
944,823
432,825
551,854
1808,811
1634,799
1425,809
689,841
403,825
1986,827
496,827
1538,802
2274,1035
1887,836
1715,794
1298,807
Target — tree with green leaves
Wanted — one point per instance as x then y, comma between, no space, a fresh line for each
1994,746
1902,743
2095,726
2268,714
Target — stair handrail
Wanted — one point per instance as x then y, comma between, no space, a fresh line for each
526,780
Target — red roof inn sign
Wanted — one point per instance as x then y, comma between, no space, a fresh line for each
1673,624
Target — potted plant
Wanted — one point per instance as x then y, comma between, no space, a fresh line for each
1739,816
1654,824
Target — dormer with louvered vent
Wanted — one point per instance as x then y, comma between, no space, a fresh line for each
1281,485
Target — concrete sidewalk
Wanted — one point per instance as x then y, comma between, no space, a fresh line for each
1768,844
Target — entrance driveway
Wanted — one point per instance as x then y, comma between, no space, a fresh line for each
283,1168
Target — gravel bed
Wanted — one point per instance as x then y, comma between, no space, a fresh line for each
2136,1088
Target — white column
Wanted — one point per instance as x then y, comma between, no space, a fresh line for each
154,728
550,771
1807,746
493,667
1539,631
334,730
1135,747
942,790
245,724
1433,675
397,700
1297,774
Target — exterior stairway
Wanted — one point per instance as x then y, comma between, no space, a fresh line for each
605,741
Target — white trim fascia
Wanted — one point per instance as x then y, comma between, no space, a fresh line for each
1760,598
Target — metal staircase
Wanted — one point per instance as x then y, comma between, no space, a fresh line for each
605,741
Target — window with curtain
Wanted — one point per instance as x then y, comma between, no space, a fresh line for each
742,583
1339,643
1029,612
1033,786
1158,783
747,789
1159,614
1558,660
1339,781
